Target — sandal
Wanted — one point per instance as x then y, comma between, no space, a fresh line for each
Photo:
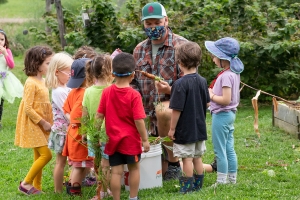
31,191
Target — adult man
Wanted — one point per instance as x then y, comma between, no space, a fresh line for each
156,55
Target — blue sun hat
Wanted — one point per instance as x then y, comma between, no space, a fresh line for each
226,49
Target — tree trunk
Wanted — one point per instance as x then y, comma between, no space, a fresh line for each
48,11
61,25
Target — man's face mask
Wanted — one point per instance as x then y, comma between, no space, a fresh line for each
155,33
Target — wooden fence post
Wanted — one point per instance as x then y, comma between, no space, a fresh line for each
61,25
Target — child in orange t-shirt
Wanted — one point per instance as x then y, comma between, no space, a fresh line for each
74,148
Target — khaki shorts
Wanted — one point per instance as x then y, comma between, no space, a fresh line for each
193,150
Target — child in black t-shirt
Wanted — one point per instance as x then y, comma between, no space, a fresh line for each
189,101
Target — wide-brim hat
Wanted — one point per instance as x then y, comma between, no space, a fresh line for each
77,73
153,10
226,49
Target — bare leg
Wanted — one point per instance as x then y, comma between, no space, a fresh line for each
78,174
208,168
187,164
134,179
198,165
115,181
163,115
58,174
106,174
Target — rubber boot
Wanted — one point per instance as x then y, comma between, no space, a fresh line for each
186,184
198,182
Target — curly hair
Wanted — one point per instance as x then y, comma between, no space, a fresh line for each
6,43
85,52
34,58
99,68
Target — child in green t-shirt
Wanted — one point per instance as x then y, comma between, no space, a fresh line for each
99,76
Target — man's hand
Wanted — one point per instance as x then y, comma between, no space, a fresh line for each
163,87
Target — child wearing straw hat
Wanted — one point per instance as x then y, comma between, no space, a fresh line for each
224,99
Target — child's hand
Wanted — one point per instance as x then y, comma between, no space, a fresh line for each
146,146
46,126
3,50
171,134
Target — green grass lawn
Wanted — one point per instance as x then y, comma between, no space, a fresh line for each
31,9
273,151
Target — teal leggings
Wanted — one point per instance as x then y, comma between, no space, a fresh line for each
223,141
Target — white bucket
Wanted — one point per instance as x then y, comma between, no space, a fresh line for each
150,169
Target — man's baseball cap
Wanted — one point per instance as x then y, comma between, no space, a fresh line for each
153,10
77,73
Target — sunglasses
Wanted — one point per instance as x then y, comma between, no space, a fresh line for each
68,74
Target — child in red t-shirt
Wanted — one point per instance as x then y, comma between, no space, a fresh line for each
121,107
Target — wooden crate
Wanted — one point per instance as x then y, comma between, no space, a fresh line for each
287,118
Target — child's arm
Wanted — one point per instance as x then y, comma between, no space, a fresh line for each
9,59
140,125
224,100
99,117
85,115
46,125
174,120
28,98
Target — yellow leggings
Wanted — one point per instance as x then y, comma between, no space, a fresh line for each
42,155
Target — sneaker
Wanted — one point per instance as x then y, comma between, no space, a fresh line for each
214,165
137,198
89,181
172,172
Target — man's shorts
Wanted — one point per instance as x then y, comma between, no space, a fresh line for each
193,150
83,164
122,159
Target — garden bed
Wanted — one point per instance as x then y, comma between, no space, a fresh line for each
287,118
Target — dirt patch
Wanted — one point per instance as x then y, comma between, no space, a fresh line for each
14,20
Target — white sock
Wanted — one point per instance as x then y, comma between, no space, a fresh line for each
232,177
221,178
133,198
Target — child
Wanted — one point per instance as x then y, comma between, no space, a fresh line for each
189,101
57,76
35,117
121,107
10,86
85,52
224,99
98,73
74,148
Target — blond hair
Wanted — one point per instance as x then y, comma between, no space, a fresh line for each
59,62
